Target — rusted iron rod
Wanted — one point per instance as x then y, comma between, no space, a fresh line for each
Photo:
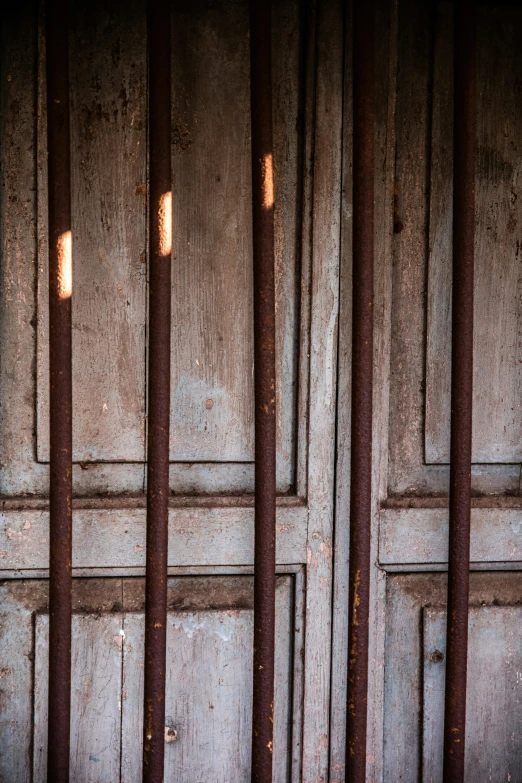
362,388
160,239
264,380
461,389
60,406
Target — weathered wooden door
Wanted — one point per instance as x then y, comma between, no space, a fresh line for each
207,736
415,410
209,700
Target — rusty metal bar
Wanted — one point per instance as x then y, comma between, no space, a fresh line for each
264,379
362,388
160,246
461,389
60,368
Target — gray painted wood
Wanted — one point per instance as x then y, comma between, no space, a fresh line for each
497,377
494,690
212,397
209,696
402,681
494,697
115,537
95,697
407,471
108,172
212,406
18,472
326,239
420,535
384,151
16,698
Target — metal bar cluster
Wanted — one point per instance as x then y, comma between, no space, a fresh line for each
264,380
461,389
362,387
60,365
158,488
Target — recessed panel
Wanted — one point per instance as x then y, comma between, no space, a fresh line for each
497,379
494,698
209,694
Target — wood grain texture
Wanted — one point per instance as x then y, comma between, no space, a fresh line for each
497,377
212,413
494,698
326,234
108,172
384,171
210,638
421,535
115,538
95,702
208,700
493,748
16,697
408,472
18,58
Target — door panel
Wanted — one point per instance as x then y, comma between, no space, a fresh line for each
494,702
497,376
209,694
212,315
411,504
212,473
414,680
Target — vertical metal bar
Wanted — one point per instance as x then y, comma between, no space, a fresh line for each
60,365
264,379
461,389
362,388
160,238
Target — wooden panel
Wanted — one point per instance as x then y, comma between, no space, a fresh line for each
209,693
420,535
115,538
16,699
413,726
497,431
18,472
212,359
108,155
494,698
326,232
97,642
408,471
212,404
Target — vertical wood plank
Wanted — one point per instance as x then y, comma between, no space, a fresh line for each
409,253
96,697
408,472
212,412
402,714
386,34
287,96
323,357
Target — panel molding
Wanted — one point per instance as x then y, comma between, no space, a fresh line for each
420,536
115,538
